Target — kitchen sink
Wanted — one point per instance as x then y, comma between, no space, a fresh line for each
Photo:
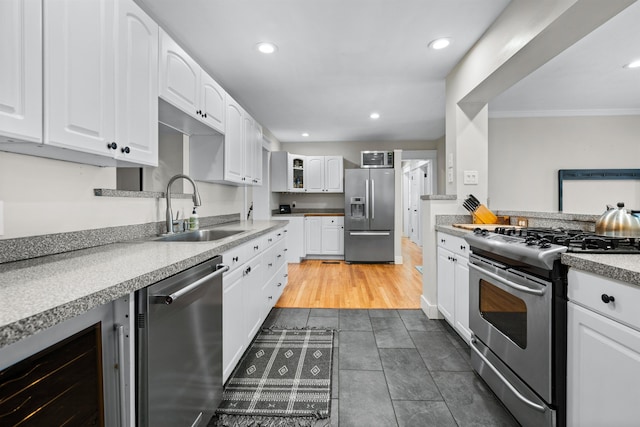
198,235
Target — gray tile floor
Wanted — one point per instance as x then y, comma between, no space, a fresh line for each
399,368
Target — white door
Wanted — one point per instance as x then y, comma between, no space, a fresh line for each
313,234
603,370
258,151
332,236
136,85
415,200
79,70
21,70
249,146
333,174
406,203
212,102
461,298
446,285
179,76
233,329
315,174
253,297
233,143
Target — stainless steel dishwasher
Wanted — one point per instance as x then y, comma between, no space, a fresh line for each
179,347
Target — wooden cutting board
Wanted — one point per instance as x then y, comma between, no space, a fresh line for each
489,227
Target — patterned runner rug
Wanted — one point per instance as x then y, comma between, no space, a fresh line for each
284,373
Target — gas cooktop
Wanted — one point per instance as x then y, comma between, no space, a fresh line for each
576,241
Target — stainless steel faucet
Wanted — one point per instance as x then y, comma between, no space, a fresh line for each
196,199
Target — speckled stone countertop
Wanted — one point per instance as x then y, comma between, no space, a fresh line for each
625,268
42,292
309,212
454,231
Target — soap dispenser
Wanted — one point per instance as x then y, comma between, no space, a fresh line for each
194,222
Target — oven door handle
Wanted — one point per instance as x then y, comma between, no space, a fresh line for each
506,382
513,285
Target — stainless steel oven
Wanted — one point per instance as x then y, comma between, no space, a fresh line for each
517,315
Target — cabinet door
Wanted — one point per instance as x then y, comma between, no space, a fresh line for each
21,70
315,174
253,297
136,85
212,102
79,75
332,236
248,143
257,154
446,285
179,76
603,370
233,143
334,174
313,234
233,329
296,174
461,297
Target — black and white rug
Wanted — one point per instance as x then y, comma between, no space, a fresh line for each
285,373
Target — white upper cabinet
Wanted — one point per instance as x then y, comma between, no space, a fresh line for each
212,103
98,99
185,85
21,70
324,174
257,154
249,147
234,143
315,174
79,56
179,76
334,174
137,85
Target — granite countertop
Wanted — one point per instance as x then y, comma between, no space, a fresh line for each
625,268
42,292
309,212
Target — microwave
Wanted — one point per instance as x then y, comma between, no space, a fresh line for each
376,159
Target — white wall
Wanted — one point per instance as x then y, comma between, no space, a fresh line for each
43,196
526,153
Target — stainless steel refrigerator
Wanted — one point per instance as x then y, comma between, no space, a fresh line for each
369,199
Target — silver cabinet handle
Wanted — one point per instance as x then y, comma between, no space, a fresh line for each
520,397
521,288
168,299
121,377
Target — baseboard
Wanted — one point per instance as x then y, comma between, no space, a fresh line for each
429,309
399,259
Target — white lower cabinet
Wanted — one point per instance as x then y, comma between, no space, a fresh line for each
233,321
251,287
324,235
453,282
603,352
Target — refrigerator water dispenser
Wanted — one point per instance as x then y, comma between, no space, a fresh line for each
357,207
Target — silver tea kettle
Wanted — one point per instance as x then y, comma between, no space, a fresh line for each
618,222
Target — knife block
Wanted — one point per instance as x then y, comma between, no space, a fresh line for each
482,215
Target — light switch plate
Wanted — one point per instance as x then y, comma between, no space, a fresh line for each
1,218
450,160
450,175
470,177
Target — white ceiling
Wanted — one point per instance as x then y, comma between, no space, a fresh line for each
586,79
338,60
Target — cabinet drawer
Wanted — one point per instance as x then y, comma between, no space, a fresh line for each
280,253
332,220
237,256
454,244
257,246
591,291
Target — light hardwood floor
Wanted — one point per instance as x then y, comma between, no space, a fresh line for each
335,284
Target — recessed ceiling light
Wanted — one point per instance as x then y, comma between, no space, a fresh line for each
305,134
266,47
633,64
374,116
441,43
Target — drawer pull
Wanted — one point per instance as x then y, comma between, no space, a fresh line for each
607,299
